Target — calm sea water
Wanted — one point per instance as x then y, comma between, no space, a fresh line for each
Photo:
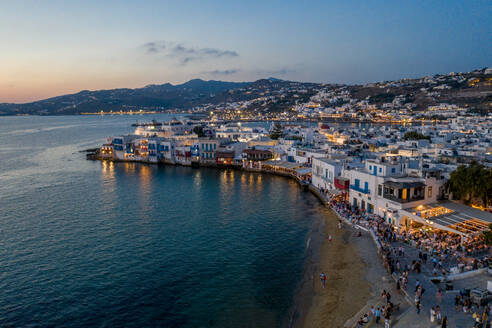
86,243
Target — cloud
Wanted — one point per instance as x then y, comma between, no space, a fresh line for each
280,71
184,53
222,72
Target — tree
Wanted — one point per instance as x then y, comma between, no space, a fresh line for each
277,131
413,135
472,181
487,235
198,130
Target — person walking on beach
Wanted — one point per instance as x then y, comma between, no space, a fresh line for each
444,323
378,315
322,276
439,296
417,304
387,320
330,238
438,314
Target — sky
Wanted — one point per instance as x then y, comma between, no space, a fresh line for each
50,48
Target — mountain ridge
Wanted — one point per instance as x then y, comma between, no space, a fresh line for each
154,96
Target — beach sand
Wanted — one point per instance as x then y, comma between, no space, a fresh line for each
352,267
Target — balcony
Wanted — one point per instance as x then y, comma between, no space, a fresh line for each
359,189
403,201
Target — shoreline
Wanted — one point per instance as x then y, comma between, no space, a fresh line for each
347,290
349,287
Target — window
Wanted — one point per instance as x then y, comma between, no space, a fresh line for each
366,185
380,190
380,169
357,182
429,192
370,167
393,170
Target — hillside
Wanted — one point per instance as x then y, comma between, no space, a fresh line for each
266,98
156,97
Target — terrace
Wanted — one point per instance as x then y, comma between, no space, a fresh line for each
404,192
452,217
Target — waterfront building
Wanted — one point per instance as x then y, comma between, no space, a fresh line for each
166,129
255,154
224,156
325,171
207,149
389,184
236,132
304,154
253,157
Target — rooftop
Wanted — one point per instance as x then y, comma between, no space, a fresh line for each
453,217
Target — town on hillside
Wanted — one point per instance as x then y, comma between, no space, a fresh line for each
430,98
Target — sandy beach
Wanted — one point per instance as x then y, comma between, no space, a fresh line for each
352,268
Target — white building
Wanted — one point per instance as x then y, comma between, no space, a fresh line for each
324,171
384,187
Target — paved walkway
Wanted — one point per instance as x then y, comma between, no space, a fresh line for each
456,319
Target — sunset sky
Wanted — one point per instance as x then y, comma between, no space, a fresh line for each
51,48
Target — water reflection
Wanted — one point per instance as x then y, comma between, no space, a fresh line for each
197,180
145,189
226,182
108,185
130,167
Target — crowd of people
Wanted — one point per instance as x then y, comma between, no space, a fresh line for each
439,252
447,252
380,313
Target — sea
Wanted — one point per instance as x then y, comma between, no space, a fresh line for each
99,244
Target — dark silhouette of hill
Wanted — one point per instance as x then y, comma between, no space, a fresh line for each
161,97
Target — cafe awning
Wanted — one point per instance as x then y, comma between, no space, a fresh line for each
451,216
